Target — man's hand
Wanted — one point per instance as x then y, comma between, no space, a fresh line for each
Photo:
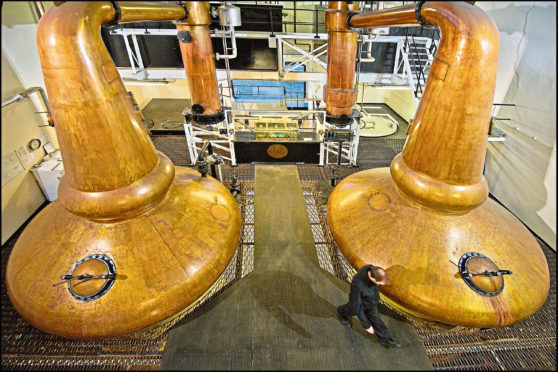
370,330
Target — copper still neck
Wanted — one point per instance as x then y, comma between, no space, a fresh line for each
103,143
442,163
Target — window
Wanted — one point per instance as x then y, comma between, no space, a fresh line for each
270,91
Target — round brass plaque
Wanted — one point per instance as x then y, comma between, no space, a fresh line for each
219,212
379,201
277,151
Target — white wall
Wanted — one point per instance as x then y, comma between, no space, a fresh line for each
521,172
19,47
399,99
21,69
21,196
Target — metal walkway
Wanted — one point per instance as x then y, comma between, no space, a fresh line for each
282,315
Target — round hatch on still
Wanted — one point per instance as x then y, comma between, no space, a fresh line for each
91,277
481,274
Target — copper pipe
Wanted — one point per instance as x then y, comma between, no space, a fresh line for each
442,162
101,136
138,11
199,62
399,16
339,92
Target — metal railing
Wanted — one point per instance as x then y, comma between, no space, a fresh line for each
276,26
516,128
42,96
421,61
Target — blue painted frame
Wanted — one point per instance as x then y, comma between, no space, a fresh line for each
271,91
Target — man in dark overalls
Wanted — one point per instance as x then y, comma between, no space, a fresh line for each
363,302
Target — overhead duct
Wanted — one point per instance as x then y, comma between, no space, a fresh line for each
199,63
132,240
453,255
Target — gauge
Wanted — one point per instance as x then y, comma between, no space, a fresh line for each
34,144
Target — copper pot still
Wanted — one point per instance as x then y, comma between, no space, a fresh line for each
132,240
454,256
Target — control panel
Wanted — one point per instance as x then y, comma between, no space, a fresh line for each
338,135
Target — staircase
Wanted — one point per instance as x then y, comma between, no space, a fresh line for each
420,60
414,57
421,53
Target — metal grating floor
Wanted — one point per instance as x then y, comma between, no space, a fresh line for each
528,345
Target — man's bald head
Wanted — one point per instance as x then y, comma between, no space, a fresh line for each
378,275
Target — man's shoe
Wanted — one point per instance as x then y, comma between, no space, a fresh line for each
390,342
346,322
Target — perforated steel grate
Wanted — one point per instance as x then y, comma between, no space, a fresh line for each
396,144
82,363
311,173
247,236
244,172
329,257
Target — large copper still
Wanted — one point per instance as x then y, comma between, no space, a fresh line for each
453,255
132,240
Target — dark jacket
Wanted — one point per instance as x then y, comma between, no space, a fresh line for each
364,295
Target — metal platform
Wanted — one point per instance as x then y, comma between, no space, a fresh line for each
250,150
166,114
